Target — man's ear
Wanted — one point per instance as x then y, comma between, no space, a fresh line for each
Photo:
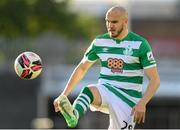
125,24
126,21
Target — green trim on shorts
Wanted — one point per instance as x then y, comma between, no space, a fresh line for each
117,93
130,92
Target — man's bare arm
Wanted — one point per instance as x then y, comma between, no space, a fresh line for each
154,81
77,75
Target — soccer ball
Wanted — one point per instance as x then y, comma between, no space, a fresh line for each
28,65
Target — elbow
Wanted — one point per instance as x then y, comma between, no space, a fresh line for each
155,82
158,82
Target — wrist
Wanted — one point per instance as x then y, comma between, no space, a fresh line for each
64,93
144,103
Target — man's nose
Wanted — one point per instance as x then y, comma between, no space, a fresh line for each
111,25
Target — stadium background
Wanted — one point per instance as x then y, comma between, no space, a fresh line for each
60,31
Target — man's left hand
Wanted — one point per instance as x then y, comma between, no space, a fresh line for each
139,111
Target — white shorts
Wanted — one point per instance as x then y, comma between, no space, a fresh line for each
119,111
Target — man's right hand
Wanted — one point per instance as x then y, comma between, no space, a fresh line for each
56,104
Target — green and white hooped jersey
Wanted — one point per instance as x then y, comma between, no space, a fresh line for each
122,61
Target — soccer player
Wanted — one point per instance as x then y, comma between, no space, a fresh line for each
124,57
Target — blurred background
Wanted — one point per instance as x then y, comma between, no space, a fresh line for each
59,31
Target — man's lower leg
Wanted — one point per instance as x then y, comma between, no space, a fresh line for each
83,101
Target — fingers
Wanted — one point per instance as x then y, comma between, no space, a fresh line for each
56,105
139,117
144,117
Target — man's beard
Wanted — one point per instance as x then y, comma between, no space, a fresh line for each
118,33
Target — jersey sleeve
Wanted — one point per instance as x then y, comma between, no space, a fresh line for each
90,53
146,56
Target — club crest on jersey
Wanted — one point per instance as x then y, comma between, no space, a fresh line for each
128,51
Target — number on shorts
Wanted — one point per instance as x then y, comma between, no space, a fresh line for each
127,126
